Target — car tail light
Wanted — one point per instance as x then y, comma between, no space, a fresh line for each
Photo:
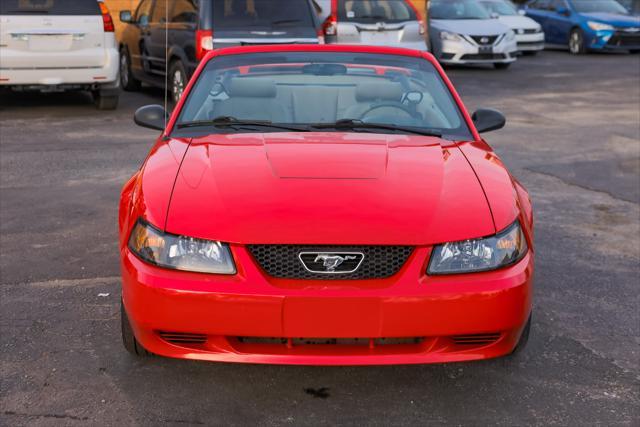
106,18
330,26
204,43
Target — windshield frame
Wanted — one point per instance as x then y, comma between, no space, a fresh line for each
457,103
481,8
576,5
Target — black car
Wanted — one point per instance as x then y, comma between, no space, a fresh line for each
190,28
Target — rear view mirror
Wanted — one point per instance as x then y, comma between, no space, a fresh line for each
125,16
487,119
151,116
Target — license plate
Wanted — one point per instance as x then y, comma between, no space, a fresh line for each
486,49
50,43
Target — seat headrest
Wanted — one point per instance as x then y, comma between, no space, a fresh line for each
252,87
367,92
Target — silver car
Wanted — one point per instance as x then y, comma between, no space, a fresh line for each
529,34
463,32
395,23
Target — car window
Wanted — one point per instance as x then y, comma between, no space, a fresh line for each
160,11
49,7
601,6
502,8
540,4
240,14
375,11
303,88
184,11
143,13
457,9
557,5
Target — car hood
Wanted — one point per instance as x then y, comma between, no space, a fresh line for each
519,22
472,27
327,188
613,19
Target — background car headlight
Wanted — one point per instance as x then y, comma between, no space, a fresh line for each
599,26
180,252
445,35
491,253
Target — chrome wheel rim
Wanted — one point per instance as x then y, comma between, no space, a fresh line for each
178,85
124,70
574,43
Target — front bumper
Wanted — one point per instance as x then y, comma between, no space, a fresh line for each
614,40
253,318
530,42
465,51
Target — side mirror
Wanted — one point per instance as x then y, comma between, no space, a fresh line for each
151,116
563,11
522,12
126,17
494,15
487,119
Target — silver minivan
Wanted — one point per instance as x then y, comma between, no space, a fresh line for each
394,23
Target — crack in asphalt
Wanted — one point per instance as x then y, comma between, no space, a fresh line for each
57,416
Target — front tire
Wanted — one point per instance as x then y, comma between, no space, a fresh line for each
177,80
502,65
529,52
127,80
129,340
576,42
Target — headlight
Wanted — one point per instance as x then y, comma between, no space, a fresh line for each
491,253
180,252
510,36
445,35
599,26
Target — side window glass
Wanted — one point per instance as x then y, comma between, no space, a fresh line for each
160,12
143,12
184,11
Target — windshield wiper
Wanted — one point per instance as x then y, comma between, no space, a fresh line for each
359,124
232,122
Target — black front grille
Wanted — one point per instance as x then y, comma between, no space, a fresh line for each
483,56
485,40
532,31
282,261
476,339
622,39
181,338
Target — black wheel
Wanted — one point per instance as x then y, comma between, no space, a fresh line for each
576,42
634,51
502,65
529,52
127,81
177,80
105,102
524,338
128,339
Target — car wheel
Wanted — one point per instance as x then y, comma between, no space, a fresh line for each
524,338
127,81
502,65
105,102
576,42
177,81
130,342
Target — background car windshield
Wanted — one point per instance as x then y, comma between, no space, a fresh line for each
49,7
322,87
375,11
457,9
602,6
261,13
502,8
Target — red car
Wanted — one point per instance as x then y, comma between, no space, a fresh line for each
324,205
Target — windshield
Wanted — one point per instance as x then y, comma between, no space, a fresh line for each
457,9
239,14
306,88
375,11
49,7
603,6
502,8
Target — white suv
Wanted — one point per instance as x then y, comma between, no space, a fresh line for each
56,45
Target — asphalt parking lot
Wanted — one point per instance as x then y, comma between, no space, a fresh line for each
573,138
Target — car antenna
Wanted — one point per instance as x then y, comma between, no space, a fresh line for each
166,60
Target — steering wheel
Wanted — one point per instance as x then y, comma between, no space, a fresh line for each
401,107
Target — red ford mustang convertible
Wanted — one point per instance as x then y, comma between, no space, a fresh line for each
324,205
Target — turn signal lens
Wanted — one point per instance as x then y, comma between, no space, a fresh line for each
501,250
180,252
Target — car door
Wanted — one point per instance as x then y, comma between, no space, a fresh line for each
183,20
558,22
538,11
137,48
156,42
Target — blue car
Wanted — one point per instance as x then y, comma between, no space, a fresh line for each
585,25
